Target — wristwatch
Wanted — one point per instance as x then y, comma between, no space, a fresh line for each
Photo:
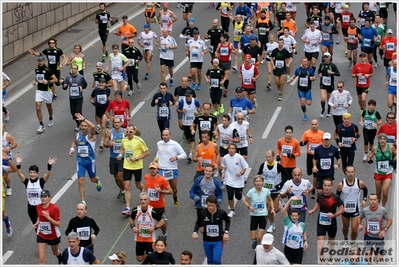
226,232
385,229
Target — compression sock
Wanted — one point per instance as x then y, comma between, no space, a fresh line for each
303,109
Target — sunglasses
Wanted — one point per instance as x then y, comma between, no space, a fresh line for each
130,131
240,119
392,118
51,42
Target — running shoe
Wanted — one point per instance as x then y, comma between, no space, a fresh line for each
189,77
41,128
328,114
216,113
127,212
255,103
130,93
55,97
313,195
231,213
165,235
138,84
9,229
50,123
288,77
321,115
234,68
221,109
103,58
376,65
271,228
184,135
280,97
7,116
119,194
146,76
254,244
8,191
225,93
305,117
83,202
101,145
171,82
269,86
165,218
190,157
350,64
99,185
98,129
365,157
193,85
337,42
199,87
175,202
77,129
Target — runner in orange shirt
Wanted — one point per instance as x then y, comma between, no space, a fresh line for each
125,31
207,152
312,138
287,150
157,186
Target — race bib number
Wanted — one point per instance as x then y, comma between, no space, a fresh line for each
369,124
326,36
168,174
40,78
144,231
326,80
51,59
312,147
124,39
373,227
154,195
206,162
390,139
163,112
350,206
383,166
45,228
212,230
253,60
74,91
303,81
393,80
323,219
83,232
117,147
203,200
205,125
346,141
325,164
390,46
237,110
83,151
104,19
313,44
259,206
352,38
224,51
341,104
102,99
215,83
246,80
362,80
128,154
293,239
286,149
262,30
297,203
279,64
345,18
194,55
267,185
367,42
211,49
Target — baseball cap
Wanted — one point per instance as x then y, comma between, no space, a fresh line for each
326,54
238,89
362,54
346,6
191,20
147,26
40,58
189,92
267,239
153,165
99,64
389,31
124,17
114,257
326,136
45,193
118,92
102,80
252,37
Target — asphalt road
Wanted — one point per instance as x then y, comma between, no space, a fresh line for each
104,207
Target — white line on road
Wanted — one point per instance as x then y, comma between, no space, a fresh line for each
137,108
7,256
271,123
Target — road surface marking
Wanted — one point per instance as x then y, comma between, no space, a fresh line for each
271,123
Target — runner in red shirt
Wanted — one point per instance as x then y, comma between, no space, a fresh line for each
47,225
248,75
388,45
120,109
362,71
389,128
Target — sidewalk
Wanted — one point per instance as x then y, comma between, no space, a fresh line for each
21,71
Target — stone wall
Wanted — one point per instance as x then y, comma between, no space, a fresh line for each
27,25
